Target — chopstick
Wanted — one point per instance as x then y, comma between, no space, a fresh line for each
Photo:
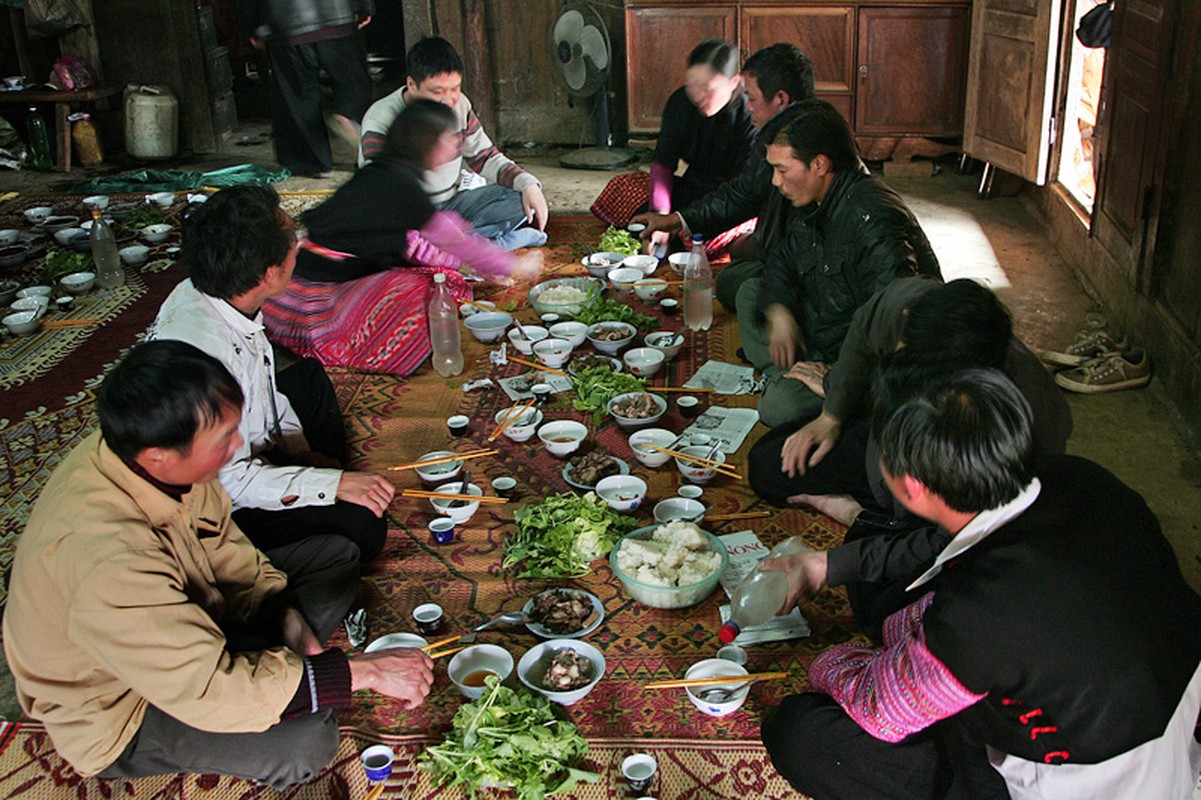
739,515
444,459
471,498
719,680
451,651
375,792
644,281
720,466
509,420
542,367
441,643
678,389
70,323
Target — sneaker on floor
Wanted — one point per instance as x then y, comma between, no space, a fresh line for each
1088,345
1109,373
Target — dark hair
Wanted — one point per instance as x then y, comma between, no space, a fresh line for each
160,395
229,241
966,436
812,128
416,130
782,67
430,56
963,322
716,54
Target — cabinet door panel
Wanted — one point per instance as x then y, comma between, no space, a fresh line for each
825,34
912,74
658,41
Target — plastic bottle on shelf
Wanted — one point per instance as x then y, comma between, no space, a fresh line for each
109,272
761,594
698,288
444,329
39,140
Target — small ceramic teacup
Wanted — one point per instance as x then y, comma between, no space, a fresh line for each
428,617
377,762
442,529
639,771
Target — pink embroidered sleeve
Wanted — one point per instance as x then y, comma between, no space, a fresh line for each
448,231
898,690
661,180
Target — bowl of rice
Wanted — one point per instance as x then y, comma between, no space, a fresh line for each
563,296
669,566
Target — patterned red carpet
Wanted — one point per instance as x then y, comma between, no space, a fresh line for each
392,420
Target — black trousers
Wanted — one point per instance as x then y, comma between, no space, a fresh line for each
297,118
840,472
825,754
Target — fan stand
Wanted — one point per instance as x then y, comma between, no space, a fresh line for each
603,157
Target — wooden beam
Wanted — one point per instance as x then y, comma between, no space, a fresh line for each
479,84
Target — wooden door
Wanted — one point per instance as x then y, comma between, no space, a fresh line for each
1010,91
658,41
1133,106
911,78
824,33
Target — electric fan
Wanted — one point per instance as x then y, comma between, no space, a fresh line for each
580,51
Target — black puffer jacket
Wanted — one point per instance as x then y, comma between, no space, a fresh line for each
835,255
285,19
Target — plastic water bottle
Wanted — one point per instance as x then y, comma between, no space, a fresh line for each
109,272
761,594
39,140
444,329
698,288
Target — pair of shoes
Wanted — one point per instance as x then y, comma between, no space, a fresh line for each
1089,344
1109,373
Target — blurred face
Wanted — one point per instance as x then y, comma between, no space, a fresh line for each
799,182
761,108
212,448
445,149
709,90
445,88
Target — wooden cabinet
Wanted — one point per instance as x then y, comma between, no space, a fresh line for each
893,69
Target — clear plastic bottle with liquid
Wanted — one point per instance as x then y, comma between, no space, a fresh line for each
761,594
444,329
39,140
109,272
698,288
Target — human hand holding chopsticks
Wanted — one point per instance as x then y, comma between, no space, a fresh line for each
404,673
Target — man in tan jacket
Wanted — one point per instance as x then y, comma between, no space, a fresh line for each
146,631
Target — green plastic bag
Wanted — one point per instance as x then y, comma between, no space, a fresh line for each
161,180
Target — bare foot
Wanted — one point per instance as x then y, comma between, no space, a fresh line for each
839,507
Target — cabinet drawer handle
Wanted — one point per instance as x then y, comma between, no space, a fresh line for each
863,72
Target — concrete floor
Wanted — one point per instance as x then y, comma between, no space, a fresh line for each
1136,434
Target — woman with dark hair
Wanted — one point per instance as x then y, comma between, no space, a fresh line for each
705,124
358,296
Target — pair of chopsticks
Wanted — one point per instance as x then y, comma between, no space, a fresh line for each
375,792
480,306
70,323
509,420
444,459
719,680
470,498
738,515
542,367
677,389
719,466
433,646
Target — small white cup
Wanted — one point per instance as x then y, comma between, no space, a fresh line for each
639,771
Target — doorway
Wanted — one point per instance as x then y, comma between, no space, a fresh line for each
1086,65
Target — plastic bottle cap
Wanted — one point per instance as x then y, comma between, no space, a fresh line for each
697,238
728,633
439,277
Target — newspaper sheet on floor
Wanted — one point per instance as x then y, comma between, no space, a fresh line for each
730,425
746,551
517,387
724,378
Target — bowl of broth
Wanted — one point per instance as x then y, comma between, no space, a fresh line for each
471,666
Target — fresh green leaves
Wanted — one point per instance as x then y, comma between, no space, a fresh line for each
561,535
596,386
512,739
600,309
142,217
60,263
616,241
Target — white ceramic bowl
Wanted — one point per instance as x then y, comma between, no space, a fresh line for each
562,437
573,332
488,326
390,641
657,339
650,288
600,264
38,214
621,492
134,254
661,437
637,422
13,254
35,291
86,225
678,261
553,352
56,221
534,663
715,668
611,347
20,323
674,508
523,428
459,514
466,309
439,473
695,472
622,279
657,596
525,343
643,361
469,666
79,282
161,199
99,201
64,235
644,263
9,236
156,233
8,290
36,303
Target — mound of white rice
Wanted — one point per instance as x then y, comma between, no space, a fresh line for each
677,554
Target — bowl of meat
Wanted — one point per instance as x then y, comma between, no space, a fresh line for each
562,670
564,613
587,470
637,409
600,264
611,337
